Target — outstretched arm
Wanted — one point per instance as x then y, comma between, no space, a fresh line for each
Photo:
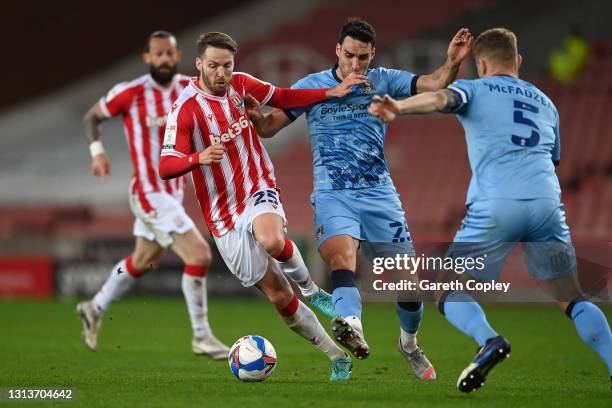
459,49
387,108
269,124
287,98
266,125
100,165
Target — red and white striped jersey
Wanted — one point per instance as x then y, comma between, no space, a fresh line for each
198,120
144,105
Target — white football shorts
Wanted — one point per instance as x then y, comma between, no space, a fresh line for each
165,215
243,255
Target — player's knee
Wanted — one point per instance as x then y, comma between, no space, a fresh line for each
199,254
340,260
272,242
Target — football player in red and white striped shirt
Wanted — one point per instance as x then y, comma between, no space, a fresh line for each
161,221
209,134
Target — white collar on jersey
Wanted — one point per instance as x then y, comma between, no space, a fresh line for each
195,85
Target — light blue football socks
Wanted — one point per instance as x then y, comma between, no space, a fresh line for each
593,328
462,311
345,294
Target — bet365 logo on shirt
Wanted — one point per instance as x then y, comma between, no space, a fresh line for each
234,130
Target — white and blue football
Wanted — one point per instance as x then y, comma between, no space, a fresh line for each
252,358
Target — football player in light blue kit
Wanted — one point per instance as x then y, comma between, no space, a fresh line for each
354,198
512,133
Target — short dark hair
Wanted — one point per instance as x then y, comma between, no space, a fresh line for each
157,34
496,43
358,29
216,40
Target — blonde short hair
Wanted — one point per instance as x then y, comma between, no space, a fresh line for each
497,44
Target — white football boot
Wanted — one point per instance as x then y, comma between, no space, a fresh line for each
209,346
91,324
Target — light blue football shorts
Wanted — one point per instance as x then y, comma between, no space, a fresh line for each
372,215
493,227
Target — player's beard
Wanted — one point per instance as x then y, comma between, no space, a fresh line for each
213,86
163,74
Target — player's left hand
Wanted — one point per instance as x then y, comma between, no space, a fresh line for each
252,108
345,86
100,166
460,47
385,109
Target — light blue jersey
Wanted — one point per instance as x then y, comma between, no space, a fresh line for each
353,193
512,133
346,141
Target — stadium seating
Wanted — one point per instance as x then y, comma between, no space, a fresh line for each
586,148
318,31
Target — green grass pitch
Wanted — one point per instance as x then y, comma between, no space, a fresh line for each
144,359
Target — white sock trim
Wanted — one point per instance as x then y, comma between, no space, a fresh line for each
305,323
116,285
295,269
196,298
408,341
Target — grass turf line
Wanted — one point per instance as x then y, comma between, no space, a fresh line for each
144,359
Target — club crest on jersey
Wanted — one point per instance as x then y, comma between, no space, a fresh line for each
237,101
319,232
368,88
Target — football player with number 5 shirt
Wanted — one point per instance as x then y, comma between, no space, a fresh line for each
513,143
209,134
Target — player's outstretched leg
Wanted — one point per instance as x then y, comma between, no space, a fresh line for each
195,252
304,322
410,315
121,279
347,327
593,328
462,311
194,288
339,253
293,266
